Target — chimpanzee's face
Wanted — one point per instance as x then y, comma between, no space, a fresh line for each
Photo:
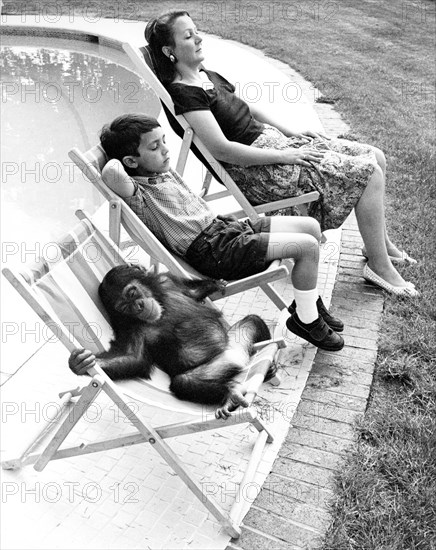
137,301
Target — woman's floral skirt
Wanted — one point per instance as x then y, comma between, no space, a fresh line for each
340,178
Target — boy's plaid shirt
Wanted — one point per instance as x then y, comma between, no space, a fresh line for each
170,210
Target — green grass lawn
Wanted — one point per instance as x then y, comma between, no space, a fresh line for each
376,59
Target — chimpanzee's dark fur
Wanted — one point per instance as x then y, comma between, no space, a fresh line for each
161,320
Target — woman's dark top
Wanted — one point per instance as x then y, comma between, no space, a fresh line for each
231,113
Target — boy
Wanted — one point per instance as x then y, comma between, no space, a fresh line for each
217,246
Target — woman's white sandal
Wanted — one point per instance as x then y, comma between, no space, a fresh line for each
408,291
404,259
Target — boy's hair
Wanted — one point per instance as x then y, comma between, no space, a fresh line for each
122,136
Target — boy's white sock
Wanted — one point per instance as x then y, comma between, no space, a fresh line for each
306,304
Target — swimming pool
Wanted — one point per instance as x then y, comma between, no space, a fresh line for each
56,94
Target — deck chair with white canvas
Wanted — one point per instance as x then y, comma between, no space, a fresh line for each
143,61
64,294
121,215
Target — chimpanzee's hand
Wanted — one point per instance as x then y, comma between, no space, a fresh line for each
221,285
81,360
227,217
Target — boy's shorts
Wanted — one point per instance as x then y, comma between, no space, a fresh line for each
231,249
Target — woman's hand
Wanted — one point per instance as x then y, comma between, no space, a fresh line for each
308,135
314,135
303,156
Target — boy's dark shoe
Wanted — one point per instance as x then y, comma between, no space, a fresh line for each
333,322
317,333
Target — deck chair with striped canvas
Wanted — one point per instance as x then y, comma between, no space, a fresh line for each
92,163
63,293
190,141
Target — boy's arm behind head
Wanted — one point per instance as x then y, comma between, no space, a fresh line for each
117,179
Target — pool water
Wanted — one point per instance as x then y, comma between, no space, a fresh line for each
55,96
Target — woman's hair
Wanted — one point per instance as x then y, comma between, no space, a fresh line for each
122,136
159,33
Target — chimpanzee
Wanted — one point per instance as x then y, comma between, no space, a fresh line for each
162,320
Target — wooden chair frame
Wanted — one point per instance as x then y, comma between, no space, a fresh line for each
73,410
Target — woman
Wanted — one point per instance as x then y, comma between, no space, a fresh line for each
270,161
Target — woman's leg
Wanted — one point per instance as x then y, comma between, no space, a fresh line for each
390,247
352,148
371,220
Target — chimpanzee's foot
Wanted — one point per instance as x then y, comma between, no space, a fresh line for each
234,400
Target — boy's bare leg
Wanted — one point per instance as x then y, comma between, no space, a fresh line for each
295,224
297,238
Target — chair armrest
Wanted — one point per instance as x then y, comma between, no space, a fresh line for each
276,270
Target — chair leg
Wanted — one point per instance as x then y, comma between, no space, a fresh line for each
274,296
88,396
25,456
237,511
152,436
206,184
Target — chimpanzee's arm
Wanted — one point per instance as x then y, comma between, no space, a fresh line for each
119,367
116,366
202,288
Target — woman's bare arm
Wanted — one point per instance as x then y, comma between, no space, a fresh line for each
207,129
262,115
